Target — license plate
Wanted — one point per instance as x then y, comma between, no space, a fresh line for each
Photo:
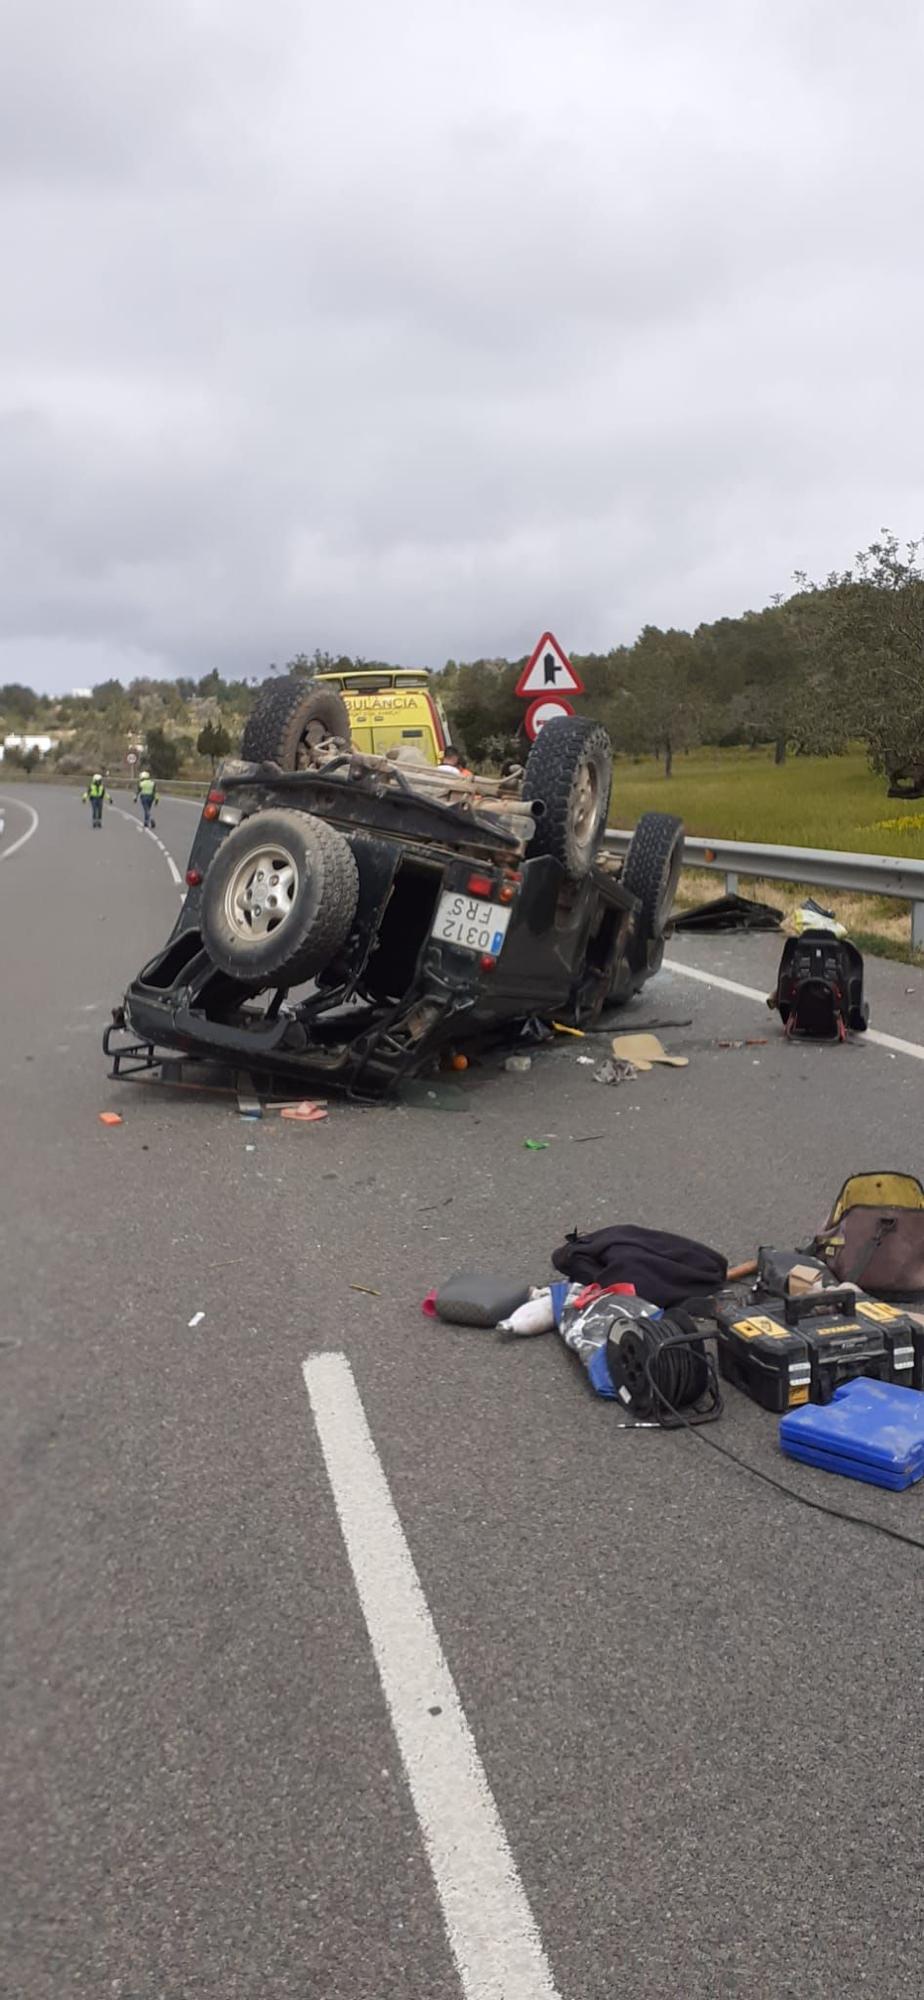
479,927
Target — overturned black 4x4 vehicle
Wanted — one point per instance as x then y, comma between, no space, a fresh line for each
349,917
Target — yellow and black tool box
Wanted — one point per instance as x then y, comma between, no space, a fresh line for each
783,1352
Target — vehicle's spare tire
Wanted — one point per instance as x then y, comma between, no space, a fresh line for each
569,771
288,717
651,871
279,898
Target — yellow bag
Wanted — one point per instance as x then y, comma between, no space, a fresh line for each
876,1191
874,1236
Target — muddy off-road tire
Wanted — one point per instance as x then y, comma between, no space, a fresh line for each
569,770
279,898
289,716
651,871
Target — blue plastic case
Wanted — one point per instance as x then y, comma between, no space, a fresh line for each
873,1431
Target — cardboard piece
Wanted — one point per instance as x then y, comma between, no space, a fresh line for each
643,1051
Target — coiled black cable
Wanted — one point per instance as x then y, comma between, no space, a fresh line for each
662,1368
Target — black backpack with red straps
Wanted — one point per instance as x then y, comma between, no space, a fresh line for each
819,987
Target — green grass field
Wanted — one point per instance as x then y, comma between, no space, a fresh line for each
743,795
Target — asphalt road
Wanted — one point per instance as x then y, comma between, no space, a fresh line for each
695,1702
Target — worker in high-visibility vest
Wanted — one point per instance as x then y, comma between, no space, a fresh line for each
147,793
96,792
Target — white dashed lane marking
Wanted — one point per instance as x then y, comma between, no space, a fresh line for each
168,857
491,1929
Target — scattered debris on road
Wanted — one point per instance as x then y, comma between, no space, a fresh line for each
729,913
654,1027
536,1315
812,916
197,1319
666,1269
644,1051
616,1072
291,1105
535,1030
478,1298
110,1118
644,1309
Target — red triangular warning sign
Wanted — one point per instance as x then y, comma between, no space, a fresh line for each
549,671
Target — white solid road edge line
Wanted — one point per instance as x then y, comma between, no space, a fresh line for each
490,1926
171,864
7,851
168,857
892,1042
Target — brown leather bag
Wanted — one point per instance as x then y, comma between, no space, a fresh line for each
875,1235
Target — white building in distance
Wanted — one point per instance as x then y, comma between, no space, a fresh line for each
40,743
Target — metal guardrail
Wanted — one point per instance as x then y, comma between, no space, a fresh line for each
822,867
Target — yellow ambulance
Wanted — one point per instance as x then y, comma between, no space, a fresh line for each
392,705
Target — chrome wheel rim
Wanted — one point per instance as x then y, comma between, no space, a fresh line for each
260,893
585,801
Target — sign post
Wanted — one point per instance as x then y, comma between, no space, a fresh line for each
547,680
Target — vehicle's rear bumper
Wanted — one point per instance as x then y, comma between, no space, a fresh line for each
369,1064
557,961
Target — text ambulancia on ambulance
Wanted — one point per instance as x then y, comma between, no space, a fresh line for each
392,708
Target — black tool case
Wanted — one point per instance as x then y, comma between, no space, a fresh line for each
783,1352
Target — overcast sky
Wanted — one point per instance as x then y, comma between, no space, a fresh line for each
409,329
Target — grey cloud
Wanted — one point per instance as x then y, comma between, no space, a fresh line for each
410,331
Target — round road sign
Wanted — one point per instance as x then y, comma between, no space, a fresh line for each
548,708
131,758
